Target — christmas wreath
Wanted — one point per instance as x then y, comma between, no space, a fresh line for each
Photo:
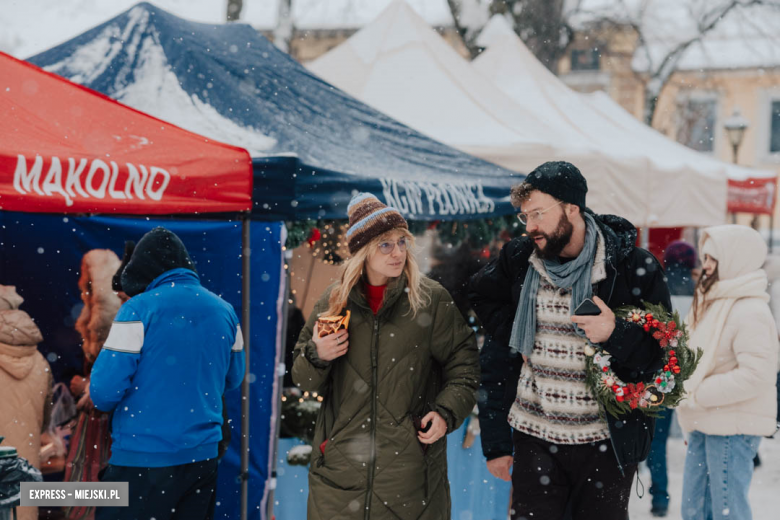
665,389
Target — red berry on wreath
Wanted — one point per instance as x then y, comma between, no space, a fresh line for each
673,360
646,327
605,369
666,368
619,398
656,323
615,388
671,353
648,316
658,380
676,369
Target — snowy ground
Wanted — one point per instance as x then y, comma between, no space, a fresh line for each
764,491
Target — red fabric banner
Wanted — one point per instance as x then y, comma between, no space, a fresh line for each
752,196
67,149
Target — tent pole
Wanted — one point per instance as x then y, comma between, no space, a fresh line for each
246,252
281,369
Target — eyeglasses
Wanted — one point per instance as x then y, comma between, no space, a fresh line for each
387,247
536,215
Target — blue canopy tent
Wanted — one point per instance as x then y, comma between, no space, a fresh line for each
313,146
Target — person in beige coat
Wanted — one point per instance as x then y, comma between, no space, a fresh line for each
25,383
731,397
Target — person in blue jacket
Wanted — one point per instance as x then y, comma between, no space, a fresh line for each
173,350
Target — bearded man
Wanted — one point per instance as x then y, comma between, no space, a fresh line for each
537,415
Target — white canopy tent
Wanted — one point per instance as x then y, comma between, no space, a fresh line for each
509,65
518,116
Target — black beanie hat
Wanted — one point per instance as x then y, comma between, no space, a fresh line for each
561,180
158,251
116,281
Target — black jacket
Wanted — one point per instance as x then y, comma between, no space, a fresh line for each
633,276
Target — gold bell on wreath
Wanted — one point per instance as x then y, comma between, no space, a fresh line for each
656,397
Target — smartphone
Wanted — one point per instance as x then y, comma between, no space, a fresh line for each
587,308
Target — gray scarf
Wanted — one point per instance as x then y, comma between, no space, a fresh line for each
575,275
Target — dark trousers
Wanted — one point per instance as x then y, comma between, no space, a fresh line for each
170,493
659,478
546,477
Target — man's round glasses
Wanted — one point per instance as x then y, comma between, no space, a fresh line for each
387,247
536,215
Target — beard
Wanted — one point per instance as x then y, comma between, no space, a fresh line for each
555,242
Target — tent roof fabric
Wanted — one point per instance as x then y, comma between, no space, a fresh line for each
68,149
313,144
509,109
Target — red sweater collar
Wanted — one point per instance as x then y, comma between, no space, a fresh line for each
375,294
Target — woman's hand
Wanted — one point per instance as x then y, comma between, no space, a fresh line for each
85,403
331,346
500,467
437,430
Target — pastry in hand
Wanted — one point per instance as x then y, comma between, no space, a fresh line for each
330,324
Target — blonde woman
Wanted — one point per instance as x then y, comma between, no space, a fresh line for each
731,399
402,376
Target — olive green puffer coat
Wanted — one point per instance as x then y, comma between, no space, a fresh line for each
397,368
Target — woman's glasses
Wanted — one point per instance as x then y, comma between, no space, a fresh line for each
387,247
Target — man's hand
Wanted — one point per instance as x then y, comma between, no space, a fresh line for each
500,467
599,328
78,384
437,430
331,346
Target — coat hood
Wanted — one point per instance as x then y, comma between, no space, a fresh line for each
17,361
158,251
739,250
16,327
619,235
9,299
100,302
19,335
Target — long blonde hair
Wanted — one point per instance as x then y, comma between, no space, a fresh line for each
352,274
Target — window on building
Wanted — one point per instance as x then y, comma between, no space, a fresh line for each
585,59
696,123
774,136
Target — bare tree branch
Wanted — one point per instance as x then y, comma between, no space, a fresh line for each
234,10
546,30
468,40
660,77
283,33
541,24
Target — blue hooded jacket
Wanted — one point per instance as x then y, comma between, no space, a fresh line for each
171,353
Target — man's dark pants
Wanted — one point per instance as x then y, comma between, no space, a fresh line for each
546,477
169,493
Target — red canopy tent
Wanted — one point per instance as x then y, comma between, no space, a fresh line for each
65,148
68,149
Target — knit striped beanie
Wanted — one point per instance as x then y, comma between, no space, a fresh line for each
368,219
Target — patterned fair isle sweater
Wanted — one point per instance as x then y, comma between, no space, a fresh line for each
553,403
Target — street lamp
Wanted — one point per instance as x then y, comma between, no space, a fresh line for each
735,128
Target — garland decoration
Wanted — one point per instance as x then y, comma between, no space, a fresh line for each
477,233
665,390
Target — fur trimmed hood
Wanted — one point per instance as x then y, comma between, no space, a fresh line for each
100,302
